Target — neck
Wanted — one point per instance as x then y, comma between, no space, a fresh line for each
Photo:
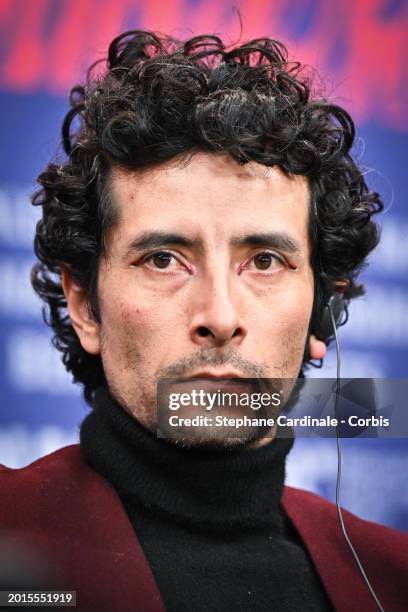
223,489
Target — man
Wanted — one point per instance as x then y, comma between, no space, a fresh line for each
206,211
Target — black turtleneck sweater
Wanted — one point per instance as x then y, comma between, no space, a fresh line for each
210,523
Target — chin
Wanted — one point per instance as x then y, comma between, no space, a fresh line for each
223,440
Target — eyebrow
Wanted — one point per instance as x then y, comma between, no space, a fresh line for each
281,241
154,240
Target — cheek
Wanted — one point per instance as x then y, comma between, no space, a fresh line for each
121,325
281,326
295,334
137,330
284,315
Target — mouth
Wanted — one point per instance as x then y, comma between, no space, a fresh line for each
215,375
227,381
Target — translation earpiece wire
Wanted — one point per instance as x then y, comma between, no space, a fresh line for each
338,479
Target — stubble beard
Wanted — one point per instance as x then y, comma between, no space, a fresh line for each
140,401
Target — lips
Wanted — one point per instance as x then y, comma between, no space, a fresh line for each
209,382
216,375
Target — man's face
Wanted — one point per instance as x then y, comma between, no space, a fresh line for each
207,273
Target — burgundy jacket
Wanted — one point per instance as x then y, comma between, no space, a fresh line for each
72,516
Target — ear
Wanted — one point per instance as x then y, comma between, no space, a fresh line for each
86,327
317,348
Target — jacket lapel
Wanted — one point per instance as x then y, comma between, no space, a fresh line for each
317,524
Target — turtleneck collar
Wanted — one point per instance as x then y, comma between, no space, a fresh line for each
211,490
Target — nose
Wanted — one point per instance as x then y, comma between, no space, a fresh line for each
215,321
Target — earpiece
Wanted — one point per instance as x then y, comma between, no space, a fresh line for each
323,328
337,305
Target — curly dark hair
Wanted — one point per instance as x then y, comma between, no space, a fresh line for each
159,98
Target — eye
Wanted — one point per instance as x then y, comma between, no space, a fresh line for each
163,261
265,261
160,260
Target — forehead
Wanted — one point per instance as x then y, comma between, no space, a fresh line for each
209,195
